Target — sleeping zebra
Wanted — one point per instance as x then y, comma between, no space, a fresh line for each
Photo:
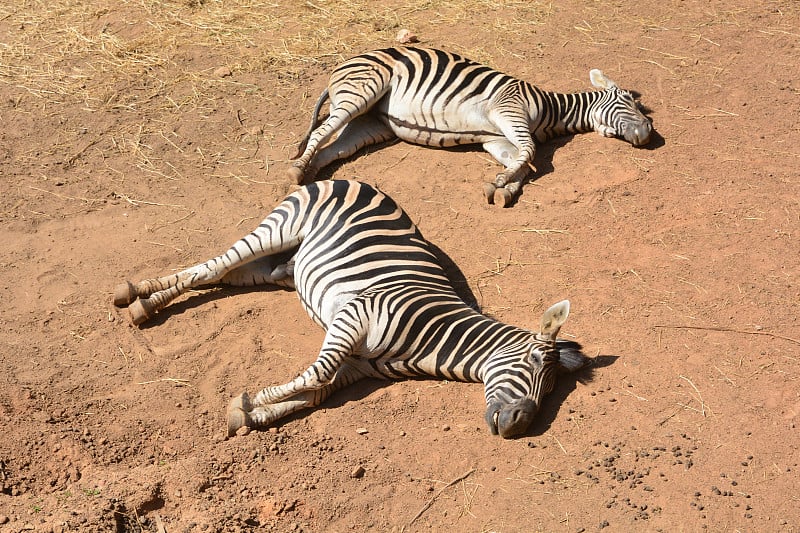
436,98
365,274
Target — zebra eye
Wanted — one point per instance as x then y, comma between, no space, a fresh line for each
536,357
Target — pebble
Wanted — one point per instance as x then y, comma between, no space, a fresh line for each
362,431
405,36
223,72
358,472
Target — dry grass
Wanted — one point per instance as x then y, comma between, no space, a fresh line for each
142,66
72,52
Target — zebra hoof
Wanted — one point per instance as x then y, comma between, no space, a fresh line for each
489,191
503,197
141,310
295,174
124,293
237,414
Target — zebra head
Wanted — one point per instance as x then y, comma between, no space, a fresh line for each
616,113
519,377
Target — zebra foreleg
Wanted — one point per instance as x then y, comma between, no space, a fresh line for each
507,184
242,412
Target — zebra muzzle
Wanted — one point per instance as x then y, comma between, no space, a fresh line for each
510,420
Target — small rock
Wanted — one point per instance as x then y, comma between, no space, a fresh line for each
362,431
358,472
405,36
223,72
4,519
242,431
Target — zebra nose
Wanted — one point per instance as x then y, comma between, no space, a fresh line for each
641,134
514,419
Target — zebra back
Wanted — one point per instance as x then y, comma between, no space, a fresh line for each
352,238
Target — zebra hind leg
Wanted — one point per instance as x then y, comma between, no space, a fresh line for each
242,412
338,118
269,270
272,264
350,98
365,130
145,298
148,296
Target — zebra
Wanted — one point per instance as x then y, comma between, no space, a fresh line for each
440,99
363,271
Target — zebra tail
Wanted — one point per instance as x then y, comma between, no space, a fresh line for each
314,123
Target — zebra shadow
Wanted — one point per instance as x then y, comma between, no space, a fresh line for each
206,295
543,161
565,385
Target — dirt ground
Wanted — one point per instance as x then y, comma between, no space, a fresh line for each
140,137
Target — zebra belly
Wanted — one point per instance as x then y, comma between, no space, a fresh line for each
322,306
439,127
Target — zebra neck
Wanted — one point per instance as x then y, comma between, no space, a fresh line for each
458,344
558,114
479,351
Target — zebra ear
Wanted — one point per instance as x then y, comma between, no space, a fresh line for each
554,318
600,80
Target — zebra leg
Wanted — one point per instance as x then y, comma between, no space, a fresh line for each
328,373
272,236
242,412
340,341
156,293
342,112
264,271
365,130
508,183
